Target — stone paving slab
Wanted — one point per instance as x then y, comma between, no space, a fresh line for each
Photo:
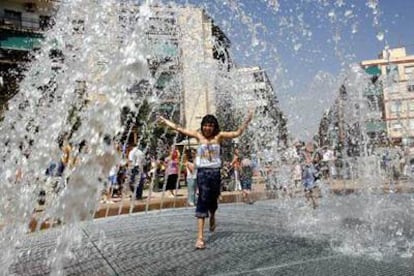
260,239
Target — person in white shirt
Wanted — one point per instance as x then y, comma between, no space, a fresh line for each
191,177
136,172
328,159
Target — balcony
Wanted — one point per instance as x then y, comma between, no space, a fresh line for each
24,24
373,70
376,126
163,50
374,115
252,86
373,91
13,41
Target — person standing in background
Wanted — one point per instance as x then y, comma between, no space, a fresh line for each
191,177
172,170
235,163
136,173
246,179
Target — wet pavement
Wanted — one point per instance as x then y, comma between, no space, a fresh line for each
270,237
159,200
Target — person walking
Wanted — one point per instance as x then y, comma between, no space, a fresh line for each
191,177
136,175
310,173
208,163
235,163
172,172
246,179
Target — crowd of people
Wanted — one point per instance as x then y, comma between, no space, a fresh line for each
202,170
301,169
137,169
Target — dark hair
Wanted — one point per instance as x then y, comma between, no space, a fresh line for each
62,137
82,144
210,119
189,155
107,139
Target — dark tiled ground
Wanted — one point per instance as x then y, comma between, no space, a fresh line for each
254,239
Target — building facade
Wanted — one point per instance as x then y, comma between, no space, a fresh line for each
396,71
188,54
22,24
205,58
386,107
190,67
254,89
355,123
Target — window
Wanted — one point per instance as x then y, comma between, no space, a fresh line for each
392,72
394,88
44,22
411,124
29,7
258,76
410,87
396,126
164,49
395,108
166,79
162,25
13,18
78,26
409,71
411,106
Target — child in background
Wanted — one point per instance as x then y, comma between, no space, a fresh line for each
246,178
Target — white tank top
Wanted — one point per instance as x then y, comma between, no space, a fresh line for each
208,156
192,175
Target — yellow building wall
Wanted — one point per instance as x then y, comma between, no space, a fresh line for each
199,67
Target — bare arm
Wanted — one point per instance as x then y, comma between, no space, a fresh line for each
235,158
190,166
240,130
186,132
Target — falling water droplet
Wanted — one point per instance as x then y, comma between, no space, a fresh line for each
354,28
380,36
372,4
255,42
296,47
348,13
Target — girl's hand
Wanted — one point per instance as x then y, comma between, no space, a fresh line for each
161,119
167,122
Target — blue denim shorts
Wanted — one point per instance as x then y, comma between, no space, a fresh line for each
308,178
246,184
208,182
113,180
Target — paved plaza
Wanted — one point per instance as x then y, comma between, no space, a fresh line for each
159,200
270,237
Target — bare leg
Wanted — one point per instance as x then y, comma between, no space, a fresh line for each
310,196
248,197
200,233
243,195
200,224
212,222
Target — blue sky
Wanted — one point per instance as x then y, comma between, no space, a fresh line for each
303,44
